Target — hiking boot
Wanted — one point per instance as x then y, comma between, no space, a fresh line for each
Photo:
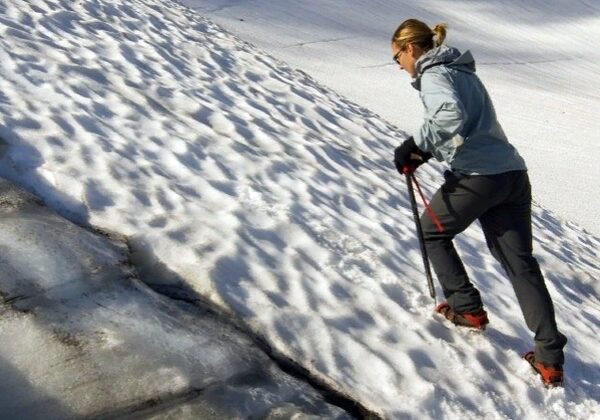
552,375
477,319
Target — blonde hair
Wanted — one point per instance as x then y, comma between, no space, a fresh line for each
413,31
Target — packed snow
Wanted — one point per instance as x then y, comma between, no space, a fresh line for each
274,197
539,59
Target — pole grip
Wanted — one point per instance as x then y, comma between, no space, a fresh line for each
408,169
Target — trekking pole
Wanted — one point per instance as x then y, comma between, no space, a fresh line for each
409,173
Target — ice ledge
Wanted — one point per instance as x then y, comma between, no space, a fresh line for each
83,337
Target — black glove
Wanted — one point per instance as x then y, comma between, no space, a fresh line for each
408,156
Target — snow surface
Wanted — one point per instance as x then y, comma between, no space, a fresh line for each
83,338
273,196
538,58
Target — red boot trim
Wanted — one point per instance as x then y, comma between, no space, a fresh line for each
552,375
442,308
477,320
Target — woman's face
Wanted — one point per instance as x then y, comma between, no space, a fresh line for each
407,57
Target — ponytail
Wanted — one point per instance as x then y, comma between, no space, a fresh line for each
439,36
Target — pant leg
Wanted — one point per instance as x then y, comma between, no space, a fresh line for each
507,228
458,203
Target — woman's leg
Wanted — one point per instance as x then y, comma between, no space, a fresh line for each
458,203
507,229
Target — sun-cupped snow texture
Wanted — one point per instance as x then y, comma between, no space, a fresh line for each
83,338
245,180
538,59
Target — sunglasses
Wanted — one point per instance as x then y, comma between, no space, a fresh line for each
396,57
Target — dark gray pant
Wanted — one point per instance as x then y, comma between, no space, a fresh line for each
502,203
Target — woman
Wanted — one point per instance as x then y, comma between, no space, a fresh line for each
488,182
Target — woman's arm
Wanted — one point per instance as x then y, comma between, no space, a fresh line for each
444,115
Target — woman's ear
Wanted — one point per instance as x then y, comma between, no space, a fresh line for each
414,50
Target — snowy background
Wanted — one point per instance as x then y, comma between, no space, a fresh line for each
242,180
538,59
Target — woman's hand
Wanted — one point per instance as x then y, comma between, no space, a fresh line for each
408,157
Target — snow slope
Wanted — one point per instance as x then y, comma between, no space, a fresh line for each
83,338
237,176
538,58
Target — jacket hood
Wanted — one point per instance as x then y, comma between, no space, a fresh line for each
443,55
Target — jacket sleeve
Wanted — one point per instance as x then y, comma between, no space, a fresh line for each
444,116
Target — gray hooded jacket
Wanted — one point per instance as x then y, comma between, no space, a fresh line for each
460,124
